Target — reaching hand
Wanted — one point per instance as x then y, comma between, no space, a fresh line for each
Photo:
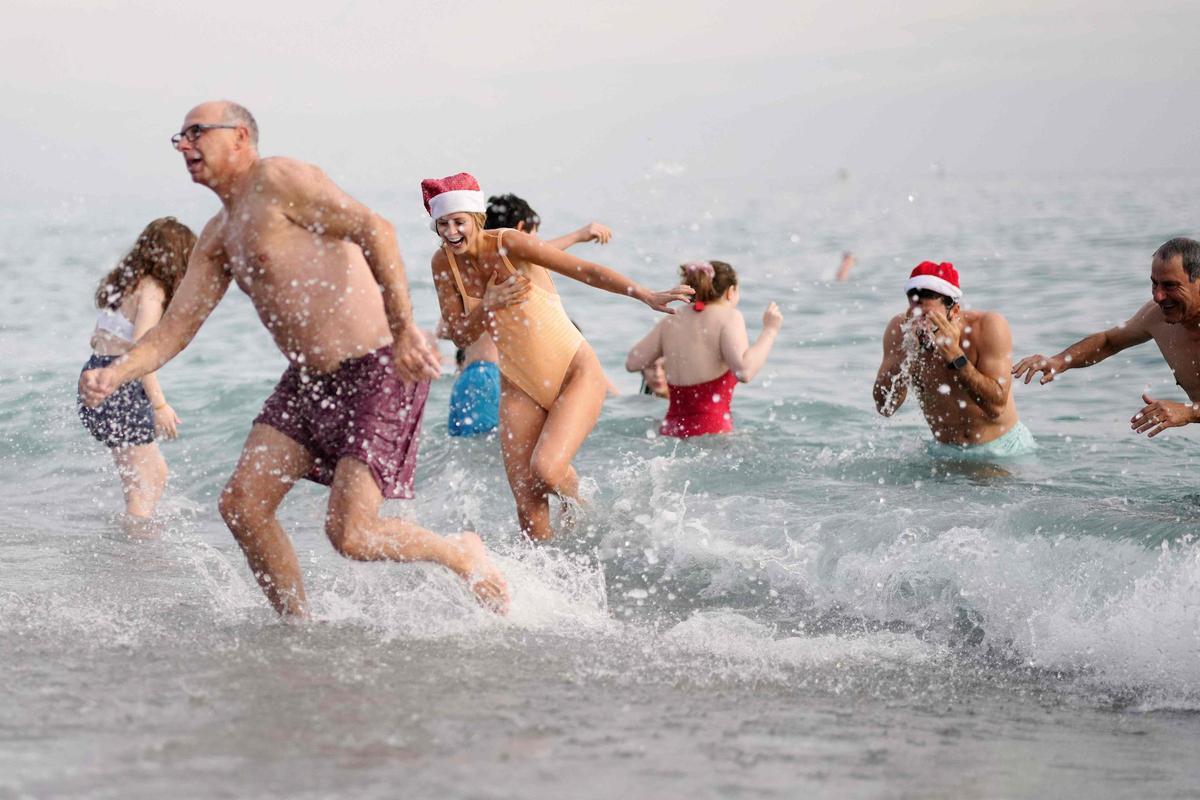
166,422
415,359
1158,415
95,385
1030,365
660,301
511,291
772,319
594,232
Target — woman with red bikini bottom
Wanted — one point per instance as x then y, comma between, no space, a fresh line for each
706,351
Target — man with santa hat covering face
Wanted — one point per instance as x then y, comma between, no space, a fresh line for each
959,362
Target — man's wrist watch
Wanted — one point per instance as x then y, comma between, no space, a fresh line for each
957,363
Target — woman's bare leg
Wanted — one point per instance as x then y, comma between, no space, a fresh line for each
538,446
571,419
521,421
356,530
143,477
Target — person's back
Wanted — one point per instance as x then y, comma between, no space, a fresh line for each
692,342
705,351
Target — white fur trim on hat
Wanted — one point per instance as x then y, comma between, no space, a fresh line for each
453,202
935,284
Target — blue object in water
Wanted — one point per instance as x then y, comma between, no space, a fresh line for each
475,400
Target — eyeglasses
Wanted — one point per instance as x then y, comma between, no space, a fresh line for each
194,132
928,294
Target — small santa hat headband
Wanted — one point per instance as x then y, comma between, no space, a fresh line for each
941,278
451,195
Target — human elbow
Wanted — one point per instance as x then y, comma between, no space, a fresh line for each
883,407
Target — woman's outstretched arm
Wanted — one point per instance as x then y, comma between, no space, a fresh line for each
524,247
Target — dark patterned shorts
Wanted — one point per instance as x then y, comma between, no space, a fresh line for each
361,410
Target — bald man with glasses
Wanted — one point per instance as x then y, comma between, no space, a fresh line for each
325,275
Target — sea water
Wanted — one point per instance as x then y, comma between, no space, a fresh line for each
812,605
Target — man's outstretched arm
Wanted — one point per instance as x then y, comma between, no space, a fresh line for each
1088,350
203,286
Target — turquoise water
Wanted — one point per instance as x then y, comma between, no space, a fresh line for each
810,604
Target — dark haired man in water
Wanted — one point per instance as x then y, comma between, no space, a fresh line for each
958,361
325,275
1171,319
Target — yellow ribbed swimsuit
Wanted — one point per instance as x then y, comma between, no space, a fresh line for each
536,339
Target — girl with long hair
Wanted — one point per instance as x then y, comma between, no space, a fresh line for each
130,300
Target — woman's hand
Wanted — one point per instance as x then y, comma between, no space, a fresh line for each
594,232
660,301
166,422
772,319
511,291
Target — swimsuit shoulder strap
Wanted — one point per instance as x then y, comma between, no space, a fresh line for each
454,271
500,250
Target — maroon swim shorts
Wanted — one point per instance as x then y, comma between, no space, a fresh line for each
360,410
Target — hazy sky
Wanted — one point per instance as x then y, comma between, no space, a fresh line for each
383,93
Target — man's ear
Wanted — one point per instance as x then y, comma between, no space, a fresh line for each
521,226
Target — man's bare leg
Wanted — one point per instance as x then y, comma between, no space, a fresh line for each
270,465
357,531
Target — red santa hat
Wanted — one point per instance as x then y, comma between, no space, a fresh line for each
941,278
451,195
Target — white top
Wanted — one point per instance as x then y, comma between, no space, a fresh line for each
113,322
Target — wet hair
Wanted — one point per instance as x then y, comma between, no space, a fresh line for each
460,357
160,252
1185,248
240,115
507,210
708,287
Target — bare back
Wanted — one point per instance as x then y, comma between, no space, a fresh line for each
694,343
313,291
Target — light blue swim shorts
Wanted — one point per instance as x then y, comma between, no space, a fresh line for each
1017,441
475,400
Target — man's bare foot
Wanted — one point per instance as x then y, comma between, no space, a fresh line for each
481,574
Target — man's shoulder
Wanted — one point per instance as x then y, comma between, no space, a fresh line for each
1149,315
280,170
986,320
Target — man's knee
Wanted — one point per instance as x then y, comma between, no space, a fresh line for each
349,533
240,506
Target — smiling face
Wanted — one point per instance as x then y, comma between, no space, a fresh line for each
457,231
1176,295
